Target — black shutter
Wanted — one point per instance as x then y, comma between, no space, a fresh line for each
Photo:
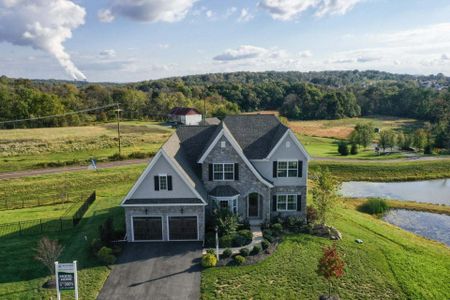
299,202
236,171
169,183
210,171
275,169
156,183
274,203
300,168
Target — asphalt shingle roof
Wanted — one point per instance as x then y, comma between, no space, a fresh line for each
164,201
223,191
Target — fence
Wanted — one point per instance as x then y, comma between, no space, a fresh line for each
41,200
48,225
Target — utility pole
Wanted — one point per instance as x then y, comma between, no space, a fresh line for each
118,110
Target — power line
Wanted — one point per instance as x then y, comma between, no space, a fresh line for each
59,115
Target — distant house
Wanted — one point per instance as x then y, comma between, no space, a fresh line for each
185,115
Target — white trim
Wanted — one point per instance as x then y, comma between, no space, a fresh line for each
296,141
224,198
229,199
147,170
287,202
287,161
223,171
162,204
149,216
225,132
187,216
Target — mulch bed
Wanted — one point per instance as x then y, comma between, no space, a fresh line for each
251,259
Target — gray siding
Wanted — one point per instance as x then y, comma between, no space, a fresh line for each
284,153
147,188
165,212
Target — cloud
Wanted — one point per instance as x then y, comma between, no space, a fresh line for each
105,16
285,10
305,54
149,10
163,46
245,15
43,25
240,53
108,53
230,11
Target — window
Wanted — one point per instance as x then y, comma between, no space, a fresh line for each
223,172
287,168
286,202
163,182
223,203
231,204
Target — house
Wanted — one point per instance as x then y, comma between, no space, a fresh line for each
252,165
185,115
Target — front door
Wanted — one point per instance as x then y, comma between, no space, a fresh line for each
253,205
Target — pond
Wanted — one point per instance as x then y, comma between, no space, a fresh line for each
430,191
430,225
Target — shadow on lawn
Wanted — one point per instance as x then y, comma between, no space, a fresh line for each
18,249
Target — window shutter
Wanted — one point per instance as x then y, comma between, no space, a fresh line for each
300,168
274,203
156,183
169,183
210,171
236,171
299,202
275,169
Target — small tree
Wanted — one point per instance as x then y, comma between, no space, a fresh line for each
354,149
420,139
331,265
325,193
387,139
363,134
343,148
47,252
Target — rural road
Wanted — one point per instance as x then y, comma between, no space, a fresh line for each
112,164
100,165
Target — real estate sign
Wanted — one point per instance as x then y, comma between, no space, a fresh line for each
66,278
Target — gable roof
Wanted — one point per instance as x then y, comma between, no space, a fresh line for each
256,134
182,111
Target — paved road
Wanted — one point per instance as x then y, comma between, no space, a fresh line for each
103,165
169,270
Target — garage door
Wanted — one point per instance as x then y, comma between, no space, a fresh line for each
182,228
147,228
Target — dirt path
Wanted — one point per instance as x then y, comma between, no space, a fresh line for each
102,165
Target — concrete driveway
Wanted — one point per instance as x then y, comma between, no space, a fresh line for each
169,270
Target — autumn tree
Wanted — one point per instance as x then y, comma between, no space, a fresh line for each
330,266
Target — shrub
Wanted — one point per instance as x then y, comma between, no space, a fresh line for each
268,235
211,251
226,241
227,253
105,256
242,238
246,233
209,260
239,259
107,231
96,244
116,157
226,221
244,252
137,155
343,148
311,214
245,225
265,244
428,149
256,249
374,206
354,149
277,228
294,222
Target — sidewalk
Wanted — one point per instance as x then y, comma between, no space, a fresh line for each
257,238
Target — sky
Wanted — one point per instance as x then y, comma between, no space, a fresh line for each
134,40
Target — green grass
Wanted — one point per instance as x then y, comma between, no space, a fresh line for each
390,264
379,171
21,277
22,149
40,212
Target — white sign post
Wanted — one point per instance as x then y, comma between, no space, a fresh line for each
66,278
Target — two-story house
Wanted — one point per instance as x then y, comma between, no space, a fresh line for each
252,165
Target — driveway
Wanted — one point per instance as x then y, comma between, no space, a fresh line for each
169,270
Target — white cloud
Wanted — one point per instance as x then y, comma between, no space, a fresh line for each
150,10
230,11
105,16
305,54
209,14
107,53
289,9
245,15
240,53
163,46
43,25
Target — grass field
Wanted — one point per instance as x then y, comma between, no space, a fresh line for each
22,276
341,129
390,264
40,147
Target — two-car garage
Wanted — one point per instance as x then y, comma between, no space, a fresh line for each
176,228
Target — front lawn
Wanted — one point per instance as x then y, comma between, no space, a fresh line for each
390,264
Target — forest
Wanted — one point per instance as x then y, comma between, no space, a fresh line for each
296,95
